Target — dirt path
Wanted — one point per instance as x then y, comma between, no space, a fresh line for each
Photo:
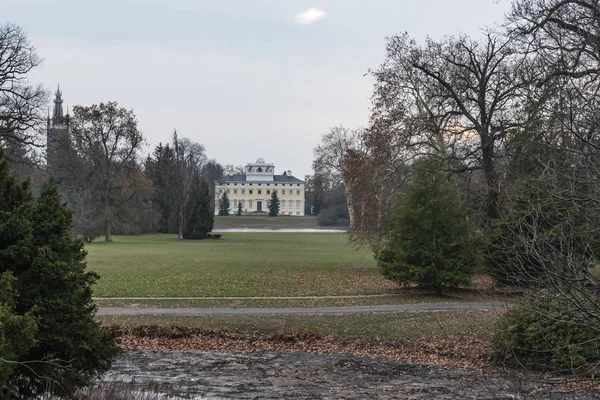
198,312
284,375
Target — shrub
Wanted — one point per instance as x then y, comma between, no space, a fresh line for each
548,333
327,217
428,242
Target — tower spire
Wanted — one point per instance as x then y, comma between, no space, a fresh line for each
58,110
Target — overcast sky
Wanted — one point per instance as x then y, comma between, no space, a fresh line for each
246,78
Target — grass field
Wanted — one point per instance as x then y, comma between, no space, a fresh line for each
240,264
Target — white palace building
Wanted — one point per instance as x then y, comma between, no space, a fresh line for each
253,189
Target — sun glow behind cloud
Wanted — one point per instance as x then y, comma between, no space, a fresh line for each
309,16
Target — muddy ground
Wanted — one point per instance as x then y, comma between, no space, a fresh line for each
297,375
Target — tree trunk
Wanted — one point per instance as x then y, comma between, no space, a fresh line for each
350,208
107,231
107,224
491,177
180,215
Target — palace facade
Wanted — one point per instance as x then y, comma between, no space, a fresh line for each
253,189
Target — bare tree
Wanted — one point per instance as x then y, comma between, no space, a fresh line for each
21,103
212,171
457,98
236,169
107,136
189,159
329,162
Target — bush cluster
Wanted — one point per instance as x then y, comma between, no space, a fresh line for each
548,333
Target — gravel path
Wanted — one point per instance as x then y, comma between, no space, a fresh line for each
198,312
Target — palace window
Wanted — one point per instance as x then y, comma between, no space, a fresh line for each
291,205
243,203
282,192
259,191
243,191
298,192
250,204
297,204
228,191
268,192
235,204
250,191
234,191
283,205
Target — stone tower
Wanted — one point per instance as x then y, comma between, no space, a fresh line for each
57,128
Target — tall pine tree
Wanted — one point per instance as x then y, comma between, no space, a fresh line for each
201,216
224,205
274,204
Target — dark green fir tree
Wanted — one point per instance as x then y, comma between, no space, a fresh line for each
201,216
429,243
274,205
224,205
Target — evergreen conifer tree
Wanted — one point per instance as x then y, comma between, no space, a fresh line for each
36,246
201,219
239,210
224,205
428,242
274,206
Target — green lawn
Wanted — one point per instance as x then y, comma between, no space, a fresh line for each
240,264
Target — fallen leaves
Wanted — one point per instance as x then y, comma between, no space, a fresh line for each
457,351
